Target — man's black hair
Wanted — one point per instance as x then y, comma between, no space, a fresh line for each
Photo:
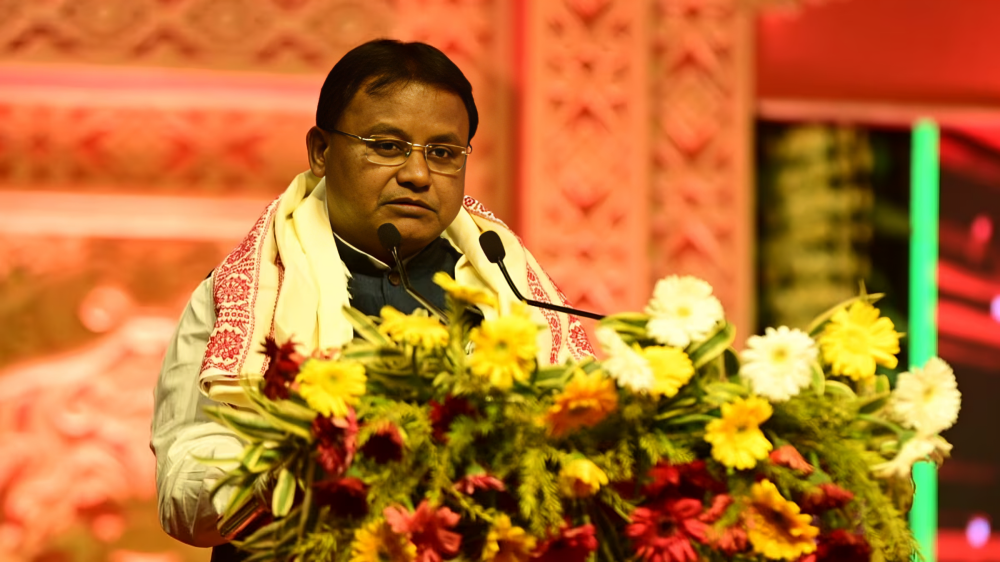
385,64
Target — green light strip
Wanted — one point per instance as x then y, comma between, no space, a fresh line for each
924,195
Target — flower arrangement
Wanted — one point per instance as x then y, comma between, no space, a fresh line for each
420,441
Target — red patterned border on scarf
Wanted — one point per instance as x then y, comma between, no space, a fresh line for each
555,328
478,209
235,284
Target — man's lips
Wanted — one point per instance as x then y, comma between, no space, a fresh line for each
407,202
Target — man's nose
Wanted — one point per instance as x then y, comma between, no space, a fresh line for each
414,172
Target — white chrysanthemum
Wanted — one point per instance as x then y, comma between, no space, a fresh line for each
916,449
778,364
927,399
624,364
682,310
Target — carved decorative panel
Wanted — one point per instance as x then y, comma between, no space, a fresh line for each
583,148
261,35
701,115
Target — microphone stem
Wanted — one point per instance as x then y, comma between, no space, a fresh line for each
556,307
405,280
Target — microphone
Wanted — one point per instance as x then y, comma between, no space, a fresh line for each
493,248
390,238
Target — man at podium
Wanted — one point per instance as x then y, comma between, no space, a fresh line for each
391,145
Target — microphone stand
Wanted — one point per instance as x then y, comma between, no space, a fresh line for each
539,304
405,280
390,238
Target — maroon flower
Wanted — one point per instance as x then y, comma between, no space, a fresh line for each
842,546
347,496
689,480
826,497
442,414
384,445
571,545
283,364
428,529
664,534
470,484
789,457
336,441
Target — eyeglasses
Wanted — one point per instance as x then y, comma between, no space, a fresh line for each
387,151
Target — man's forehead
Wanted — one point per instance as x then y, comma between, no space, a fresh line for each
406,106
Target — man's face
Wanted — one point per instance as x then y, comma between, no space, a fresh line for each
364,195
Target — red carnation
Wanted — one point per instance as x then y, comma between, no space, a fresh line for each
283,364
826,497
571,545
428,529
385,445
789,457
469,485
336,441
664,535
347,496
442,414
842,546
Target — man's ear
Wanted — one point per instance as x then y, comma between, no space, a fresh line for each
316,143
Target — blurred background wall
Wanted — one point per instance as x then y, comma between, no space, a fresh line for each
761,145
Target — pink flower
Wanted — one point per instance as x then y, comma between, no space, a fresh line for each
571,545
788,456
469,484
428,529
828,496
664,534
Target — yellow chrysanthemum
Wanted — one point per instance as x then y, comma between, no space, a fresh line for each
736,438
417,329
581,478
464,293
505,348
775,527
330,386
376,542
586,400
507,543
856,339
672,369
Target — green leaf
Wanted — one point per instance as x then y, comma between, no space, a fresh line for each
690,418
365,328
365,352
713,346
226,464
882,384
284,424
250,425
284,493
839,388
818,379
872,404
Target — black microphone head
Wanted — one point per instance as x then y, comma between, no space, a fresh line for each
492,246
389,236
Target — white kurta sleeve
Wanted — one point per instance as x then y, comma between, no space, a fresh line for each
181,431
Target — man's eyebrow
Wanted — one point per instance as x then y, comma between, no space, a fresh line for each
386,129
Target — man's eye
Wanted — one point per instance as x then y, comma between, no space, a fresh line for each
441,152
388,148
